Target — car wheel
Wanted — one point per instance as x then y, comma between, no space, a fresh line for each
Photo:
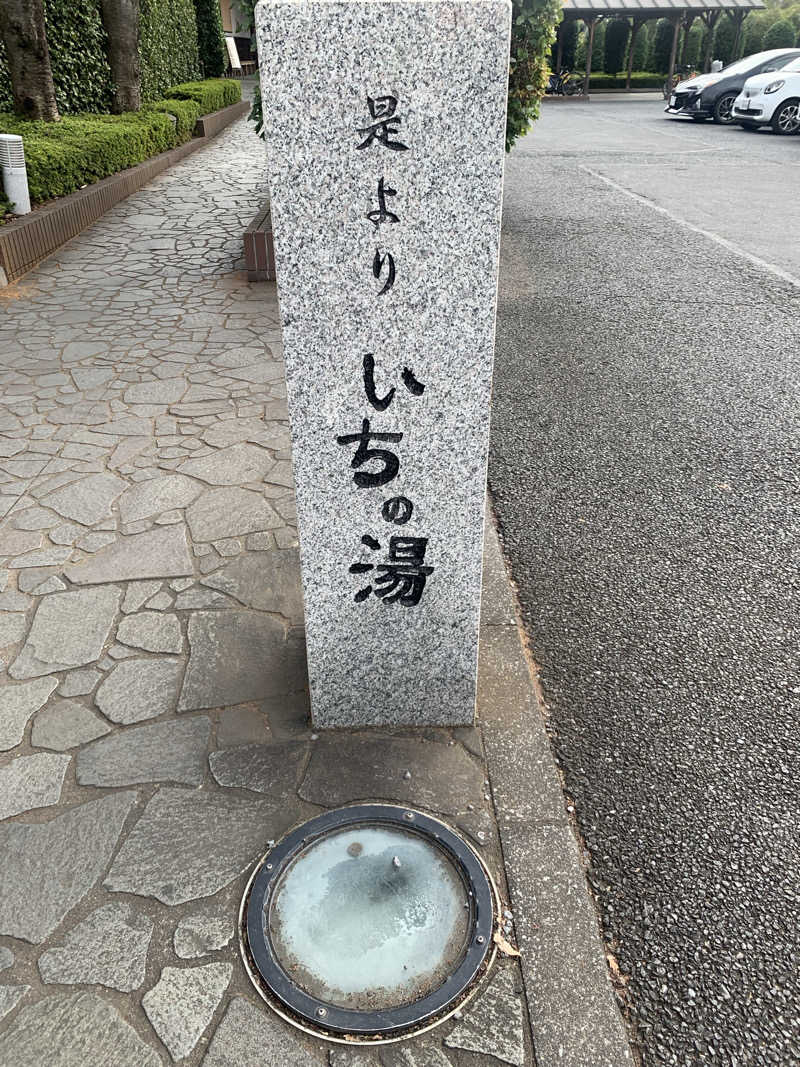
723,109
787,117
749,125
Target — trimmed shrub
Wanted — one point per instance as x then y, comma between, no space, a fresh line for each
211,95
167,45
210,38
186,113
662,46
616,45
533,31
640,79
781,34
81,149
641,48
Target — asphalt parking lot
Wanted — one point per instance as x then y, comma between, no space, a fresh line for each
645,466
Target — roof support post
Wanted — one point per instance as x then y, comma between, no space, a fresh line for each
676,29
637,25
710,18
559,46
591,22
688,22
738,21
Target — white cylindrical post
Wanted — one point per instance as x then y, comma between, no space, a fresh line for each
15,176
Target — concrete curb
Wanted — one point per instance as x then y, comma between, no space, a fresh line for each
573,1011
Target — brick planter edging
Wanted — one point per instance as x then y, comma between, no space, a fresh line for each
29,240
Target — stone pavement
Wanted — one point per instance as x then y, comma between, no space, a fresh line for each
154,730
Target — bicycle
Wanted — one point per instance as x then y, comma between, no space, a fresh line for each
683,73
561,85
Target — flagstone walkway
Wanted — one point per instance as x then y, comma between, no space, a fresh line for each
154,731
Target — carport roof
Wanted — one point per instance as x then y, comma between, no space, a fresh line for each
654,8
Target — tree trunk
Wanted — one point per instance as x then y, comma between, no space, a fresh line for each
121,21
23,32
688,22
637,25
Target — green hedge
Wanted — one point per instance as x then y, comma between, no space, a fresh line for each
81,75
186,113
210,38
167,45
639,80
80,149
77,42
533,31
211,95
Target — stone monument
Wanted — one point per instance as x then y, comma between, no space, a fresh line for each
385,125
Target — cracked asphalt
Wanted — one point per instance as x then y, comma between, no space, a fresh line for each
645,470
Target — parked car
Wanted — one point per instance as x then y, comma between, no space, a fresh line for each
711,96
771,99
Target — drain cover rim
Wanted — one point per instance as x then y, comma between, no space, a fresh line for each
324,1016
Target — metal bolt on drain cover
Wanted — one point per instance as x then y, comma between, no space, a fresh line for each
369,921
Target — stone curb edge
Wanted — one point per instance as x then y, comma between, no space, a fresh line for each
574,1014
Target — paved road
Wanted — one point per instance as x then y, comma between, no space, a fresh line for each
646,467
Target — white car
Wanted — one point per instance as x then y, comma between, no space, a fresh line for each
771,100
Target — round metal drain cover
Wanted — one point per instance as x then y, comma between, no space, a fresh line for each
368,920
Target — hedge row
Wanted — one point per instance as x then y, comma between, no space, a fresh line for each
639,80
80,149
211,95
168,49
167,45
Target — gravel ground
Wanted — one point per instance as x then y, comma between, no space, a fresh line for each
645,469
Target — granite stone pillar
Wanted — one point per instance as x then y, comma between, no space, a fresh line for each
385,124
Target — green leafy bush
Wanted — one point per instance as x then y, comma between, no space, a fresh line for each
533,31
781,34
211,95
167,45
186,114
5,205
640,79
80,149
210,38
77,42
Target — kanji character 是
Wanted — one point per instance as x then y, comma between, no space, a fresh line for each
381,132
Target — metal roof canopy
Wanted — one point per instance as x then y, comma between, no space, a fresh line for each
678,12
654,8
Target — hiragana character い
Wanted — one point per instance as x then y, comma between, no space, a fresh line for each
381,403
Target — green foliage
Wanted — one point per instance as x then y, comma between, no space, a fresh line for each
532,33
210,38
80,149
211,95
640,79
641,48
616,45
167,45
185,112
77,42
6,99
662,46
724,40
5,205
569,44
694,50
256,111
781,34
